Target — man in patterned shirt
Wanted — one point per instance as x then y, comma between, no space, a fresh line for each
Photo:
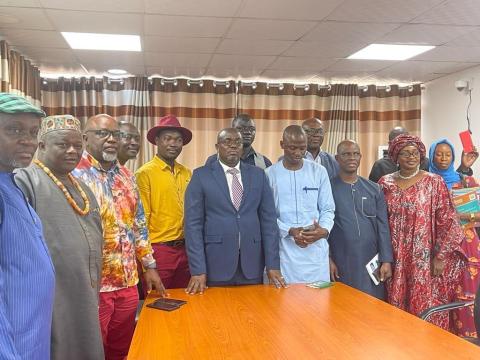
124,230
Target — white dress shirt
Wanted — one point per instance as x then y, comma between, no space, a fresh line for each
230,176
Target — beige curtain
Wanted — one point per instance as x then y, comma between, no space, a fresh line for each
18,75
275,106
381,109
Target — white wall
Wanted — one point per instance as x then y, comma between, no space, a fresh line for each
444,112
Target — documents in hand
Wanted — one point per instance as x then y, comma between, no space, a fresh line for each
373,269
467,201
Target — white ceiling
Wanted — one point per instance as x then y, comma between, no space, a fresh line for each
303,40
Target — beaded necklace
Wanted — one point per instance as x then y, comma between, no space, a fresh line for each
62,187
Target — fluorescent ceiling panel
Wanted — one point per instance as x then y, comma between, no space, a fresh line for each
91,41
389,52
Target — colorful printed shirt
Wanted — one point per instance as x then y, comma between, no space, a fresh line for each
124,227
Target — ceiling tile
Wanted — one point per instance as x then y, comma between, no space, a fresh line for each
322,49
343,76
112,59
301,63
21,3
287,9
381,10
96,22
176,60
360,65
172,71
237,73
95,5
34,38
269,29
333,32
253,47
471,38
57,69
413,70
44,55
301,75
28,18
220,8
452,53
454,12
425,34
178,45
240,61
186,26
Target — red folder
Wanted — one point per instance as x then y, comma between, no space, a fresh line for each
467,142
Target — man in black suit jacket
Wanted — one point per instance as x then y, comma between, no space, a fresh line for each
231,231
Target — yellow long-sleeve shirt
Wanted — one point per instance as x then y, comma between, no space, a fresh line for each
162,194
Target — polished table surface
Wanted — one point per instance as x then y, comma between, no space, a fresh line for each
262,322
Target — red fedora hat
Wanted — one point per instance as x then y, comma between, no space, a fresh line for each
169,122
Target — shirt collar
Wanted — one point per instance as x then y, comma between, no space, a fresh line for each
308,154
251,151
164,165
96,164
226,167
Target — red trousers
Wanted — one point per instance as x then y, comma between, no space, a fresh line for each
117,321
172,266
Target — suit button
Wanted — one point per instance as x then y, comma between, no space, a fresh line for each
238,216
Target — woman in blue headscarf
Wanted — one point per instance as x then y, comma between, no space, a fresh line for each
442,157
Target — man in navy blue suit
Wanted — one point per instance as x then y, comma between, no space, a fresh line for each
231,231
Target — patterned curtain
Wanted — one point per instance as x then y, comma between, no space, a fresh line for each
381,109
275,107
18,75
204,107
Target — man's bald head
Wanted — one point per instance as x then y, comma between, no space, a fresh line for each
93,121
348,157
396,131
229,146
312,121
222,134
347,144
294,145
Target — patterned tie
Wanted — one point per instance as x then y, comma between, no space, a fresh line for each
237,190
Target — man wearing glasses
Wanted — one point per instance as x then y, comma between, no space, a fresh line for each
124,230
129,143
315,134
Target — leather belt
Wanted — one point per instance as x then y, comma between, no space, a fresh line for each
174,243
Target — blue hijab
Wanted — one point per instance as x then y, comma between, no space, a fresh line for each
450,176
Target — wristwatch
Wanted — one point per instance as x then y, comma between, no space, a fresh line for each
472,217
152,265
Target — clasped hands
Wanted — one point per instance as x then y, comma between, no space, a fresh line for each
303,238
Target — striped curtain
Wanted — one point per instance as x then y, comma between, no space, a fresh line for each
275,106
18,75
203,106
381,109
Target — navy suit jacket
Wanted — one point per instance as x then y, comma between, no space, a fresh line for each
216,233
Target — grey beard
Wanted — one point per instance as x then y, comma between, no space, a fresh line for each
109,157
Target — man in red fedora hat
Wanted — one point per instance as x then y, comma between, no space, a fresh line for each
162,183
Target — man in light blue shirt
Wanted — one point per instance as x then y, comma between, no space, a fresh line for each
315,134
27,277
305,210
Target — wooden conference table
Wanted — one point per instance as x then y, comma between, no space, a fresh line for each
262,322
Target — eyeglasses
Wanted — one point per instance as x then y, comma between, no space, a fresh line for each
311,132
105,134
409,154
129,136
20,133
249,129
231,142
349,155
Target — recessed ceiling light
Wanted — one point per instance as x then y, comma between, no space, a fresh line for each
389,52
117,72
91,41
